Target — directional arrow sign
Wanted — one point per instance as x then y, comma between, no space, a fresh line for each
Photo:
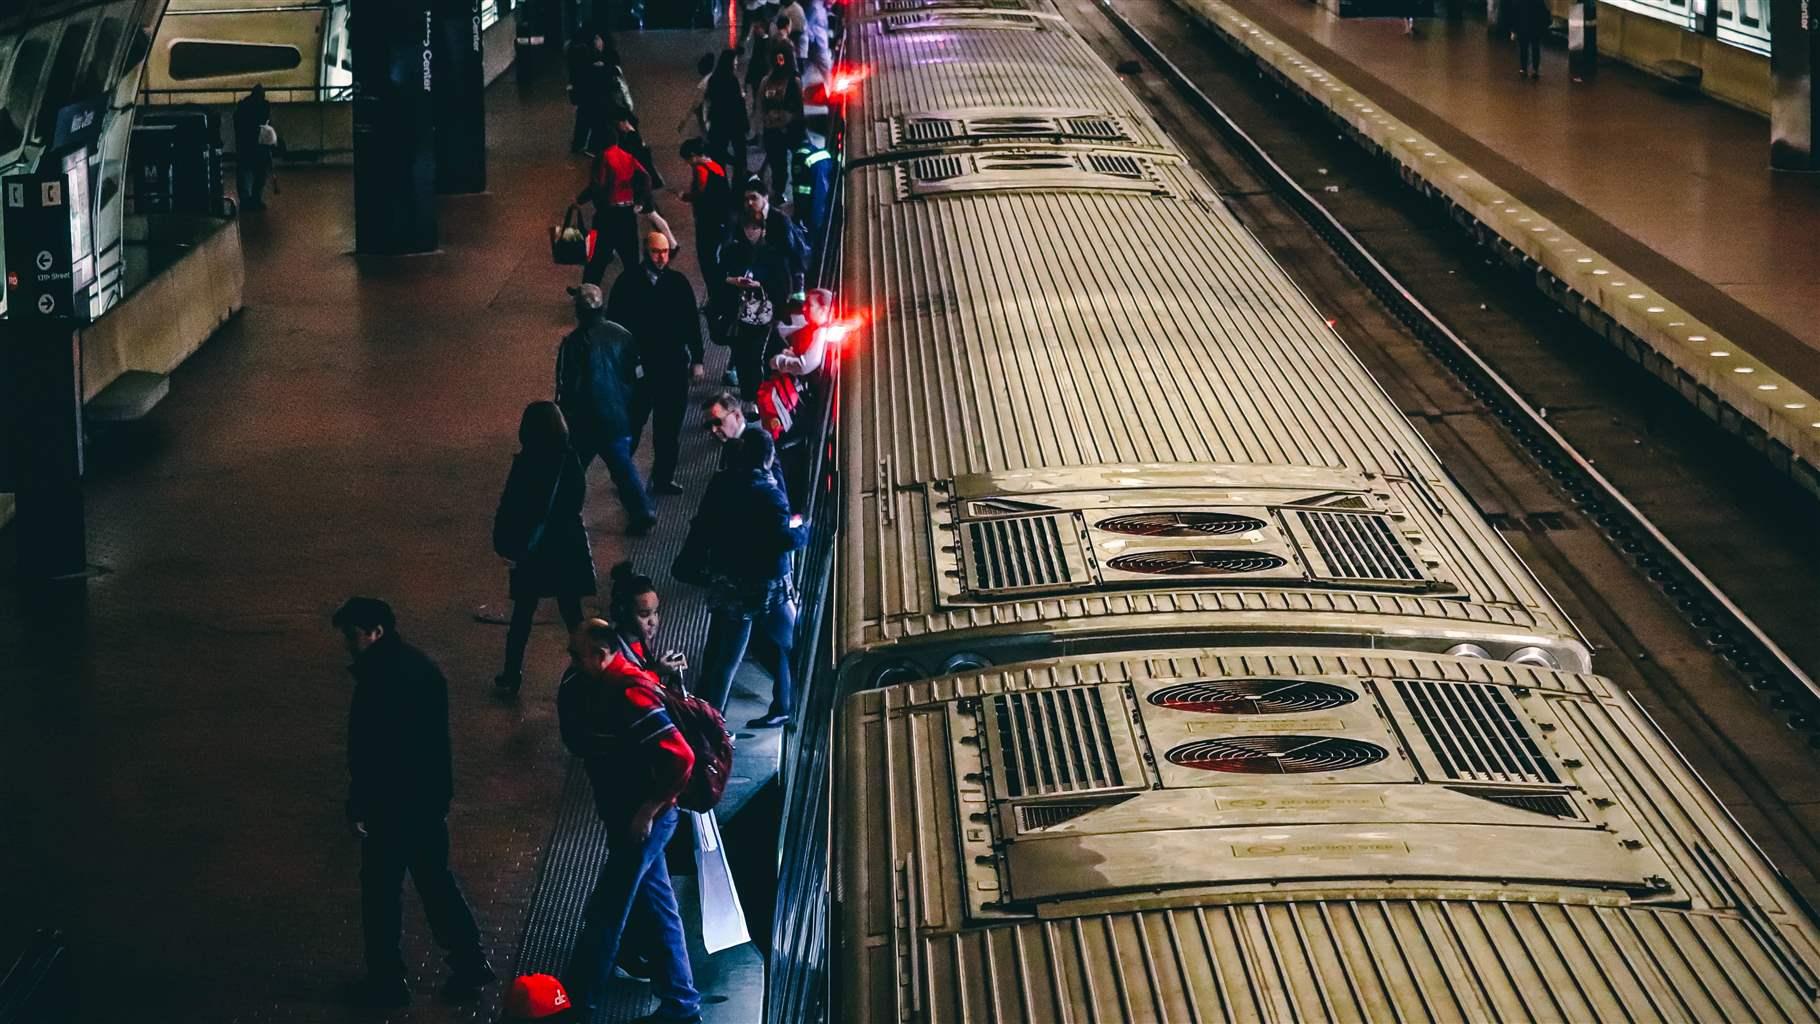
47,305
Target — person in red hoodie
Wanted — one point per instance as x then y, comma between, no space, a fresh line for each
612,716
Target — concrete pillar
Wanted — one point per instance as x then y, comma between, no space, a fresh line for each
1794,53
460,96
394,127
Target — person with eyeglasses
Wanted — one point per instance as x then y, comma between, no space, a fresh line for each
657,304
726,420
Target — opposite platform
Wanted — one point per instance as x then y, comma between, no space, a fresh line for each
1655,216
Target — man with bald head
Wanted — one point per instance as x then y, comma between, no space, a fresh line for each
657,304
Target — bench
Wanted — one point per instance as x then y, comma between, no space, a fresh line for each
37,989
129,397
1683,76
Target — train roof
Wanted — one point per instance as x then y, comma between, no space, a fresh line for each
1089,320
983,75
1293,834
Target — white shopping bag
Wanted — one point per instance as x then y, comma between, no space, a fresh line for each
723,922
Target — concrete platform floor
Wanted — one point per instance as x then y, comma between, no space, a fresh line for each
172,736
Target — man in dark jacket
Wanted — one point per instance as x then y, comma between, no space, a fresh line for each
741,541
398,806
711,196
252,161
781,233
596,367
657,304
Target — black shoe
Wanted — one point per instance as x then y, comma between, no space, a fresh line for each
632,967
506,684
666,487
465,983
640,527
771,721
378,993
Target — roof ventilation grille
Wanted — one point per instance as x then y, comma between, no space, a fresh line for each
1277,755
1103,128
1474,732
1554,805
1026,161
939,19
1013,553
1053,741
1181,524
1116,165
1252,696
899,6
1031,817
1358,547
937,168
932,129
1196,563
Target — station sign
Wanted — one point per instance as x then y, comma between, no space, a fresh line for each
50,259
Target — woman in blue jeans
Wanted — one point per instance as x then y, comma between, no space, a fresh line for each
740,545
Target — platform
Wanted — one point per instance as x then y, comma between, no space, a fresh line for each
172,748
1658,209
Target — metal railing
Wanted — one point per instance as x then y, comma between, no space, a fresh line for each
313,122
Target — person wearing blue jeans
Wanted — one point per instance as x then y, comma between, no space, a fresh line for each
612,715
739,545
596,370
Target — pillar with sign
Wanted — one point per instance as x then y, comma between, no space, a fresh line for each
460,95
50,272
1794,53
394,127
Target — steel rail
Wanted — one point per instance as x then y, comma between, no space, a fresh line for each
1430,327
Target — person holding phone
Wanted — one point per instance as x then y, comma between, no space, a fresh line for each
739,546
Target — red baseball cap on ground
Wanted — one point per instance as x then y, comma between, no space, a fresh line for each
536,997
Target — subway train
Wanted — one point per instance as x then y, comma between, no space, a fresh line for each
1165,673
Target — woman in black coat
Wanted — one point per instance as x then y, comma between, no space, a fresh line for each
751,297
727,120
538,529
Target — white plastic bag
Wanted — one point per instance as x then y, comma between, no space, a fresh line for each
723,921
653,221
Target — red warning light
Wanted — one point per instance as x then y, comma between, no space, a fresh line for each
846,78
837,332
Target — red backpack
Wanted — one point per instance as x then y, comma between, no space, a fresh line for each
705,731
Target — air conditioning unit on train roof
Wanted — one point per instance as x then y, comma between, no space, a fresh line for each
1118,791
1265,527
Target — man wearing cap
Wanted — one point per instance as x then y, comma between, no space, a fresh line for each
398,806
637,762
657,304
596,367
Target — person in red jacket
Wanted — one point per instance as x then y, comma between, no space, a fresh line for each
618,186
612,716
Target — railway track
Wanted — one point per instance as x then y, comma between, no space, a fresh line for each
1728,680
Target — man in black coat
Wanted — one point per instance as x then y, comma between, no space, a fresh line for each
398,806
252,161
657,304
595,378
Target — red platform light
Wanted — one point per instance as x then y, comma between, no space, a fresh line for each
846,78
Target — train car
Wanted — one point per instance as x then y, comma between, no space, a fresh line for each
1293,835
1090,415
297,49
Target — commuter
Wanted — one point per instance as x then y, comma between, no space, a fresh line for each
711,195
728,123
806,343
726,421
1529,21
398,806
815,49
781,99
593,65
755,284
657,304
618,187
252,157
626,123
739,545
538,529
595,373
781,233
793,13
612,716
759,43
698,111
760,12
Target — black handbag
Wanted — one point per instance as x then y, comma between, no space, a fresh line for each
571,242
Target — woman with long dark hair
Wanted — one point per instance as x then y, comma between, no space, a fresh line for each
538,529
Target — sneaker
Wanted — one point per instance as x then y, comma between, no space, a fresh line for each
465,983
378,993
640,527
666,487
771,721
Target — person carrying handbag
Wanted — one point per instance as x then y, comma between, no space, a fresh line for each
754,286
538,529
